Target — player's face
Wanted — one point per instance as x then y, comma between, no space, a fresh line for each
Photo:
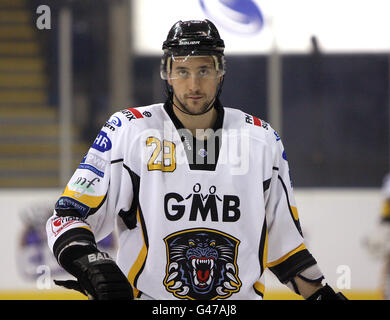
194,81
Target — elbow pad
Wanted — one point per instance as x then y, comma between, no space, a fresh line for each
311,274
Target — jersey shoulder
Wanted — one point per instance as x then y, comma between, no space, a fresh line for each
142,116
257,127
127,122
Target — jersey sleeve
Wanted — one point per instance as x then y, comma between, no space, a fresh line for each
99,190
287,254
385,210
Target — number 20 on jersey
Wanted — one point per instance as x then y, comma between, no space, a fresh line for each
163,156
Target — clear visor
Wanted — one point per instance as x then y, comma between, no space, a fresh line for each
191,66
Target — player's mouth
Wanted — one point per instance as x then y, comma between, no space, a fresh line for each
194,97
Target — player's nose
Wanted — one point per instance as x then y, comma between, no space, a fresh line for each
194,83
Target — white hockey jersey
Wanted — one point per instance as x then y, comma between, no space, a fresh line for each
195,219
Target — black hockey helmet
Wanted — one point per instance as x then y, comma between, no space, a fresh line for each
193,38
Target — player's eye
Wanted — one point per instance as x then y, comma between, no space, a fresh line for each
182,73
204,72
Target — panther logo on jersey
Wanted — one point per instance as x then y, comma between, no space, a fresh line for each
201,264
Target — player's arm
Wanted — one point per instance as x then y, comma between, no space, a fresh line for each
97,274
299,271
85,212
316,291
288,258
306,288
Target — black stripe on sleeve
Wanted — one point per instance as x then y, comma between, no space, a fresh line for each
296,222
116,161
266,184
385,219
75,234
146,239
262,246
130,217
258,292
290,267
67,255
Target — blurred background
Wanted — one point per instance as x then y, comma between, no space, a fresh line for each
318,71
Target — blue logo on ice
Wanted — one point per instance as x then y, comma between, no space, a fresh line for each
102,142
237,16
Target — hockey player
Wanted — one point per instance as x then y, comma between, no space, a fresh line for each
199,193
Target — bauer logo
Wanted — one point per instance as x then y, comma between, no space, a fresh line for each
237,16
186,43
102,142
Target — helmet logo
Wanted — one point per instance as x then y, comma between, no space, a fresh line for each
186,42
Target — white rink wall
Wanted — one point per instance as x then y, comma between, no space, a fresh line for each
334,222
21,261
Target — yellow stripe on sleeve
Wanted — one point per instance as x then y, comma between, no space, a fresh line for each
134,270
265,252
90,201
259,287
386,209
294,211
288,255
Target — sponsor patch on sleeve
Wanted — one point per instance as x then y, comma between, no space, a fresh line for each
94,163
68,203
59,224
256,121
102,142
113,123
134,113
81,195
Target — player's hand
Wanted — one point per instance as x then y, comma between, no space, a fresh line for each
100,278
327,293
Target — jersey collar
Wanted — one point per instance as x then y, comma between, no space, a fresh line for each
179,125
200,152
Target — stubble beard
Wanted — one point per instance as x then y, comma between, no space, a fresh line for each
183,106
